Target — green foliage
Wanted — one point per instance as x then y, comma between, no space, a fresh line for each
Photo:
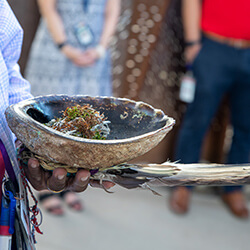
80,121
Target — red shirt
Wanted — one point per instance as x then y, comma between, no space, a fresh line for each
228,18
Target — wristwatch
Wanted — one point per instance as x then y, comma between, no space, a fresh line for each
61,45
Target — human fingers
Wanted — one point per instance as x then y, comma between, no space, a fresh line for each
85,63
81,61
80,182
88,57
191,53
58,180
105,184
71,52
35,174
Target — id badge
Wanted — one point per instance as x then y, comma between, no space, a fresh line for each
187,89
84,34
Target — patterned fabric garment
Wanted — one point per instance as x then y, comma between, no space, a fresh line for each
13,88
50,72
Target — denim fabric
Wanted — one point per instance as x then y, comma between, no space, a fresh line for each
219,69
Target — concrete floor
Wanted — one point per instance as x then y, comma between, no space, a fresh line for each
139,220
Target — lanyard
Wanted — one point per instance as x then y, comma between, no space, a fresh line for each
85,6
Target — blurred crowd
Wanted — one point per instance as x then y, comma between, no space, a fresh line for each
151,52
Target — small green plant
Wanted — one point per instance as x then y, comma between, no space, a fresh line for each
82,121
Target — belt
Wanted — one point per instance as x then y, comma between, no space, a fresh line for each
233,42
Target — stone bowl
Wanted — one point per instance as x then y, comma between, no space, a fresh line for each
135,128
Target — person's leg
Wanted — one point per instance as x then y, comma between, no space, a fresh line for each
240,148
212,84
240,110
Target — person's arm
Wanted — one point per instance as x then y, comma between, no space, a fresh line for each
53,20
112,13
55,26
10,49
19,88
191,15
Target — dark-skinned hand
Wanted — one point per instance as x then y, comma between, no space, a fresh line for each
58,180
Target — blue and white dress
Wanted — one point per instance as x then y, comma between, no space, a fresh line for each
50,72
